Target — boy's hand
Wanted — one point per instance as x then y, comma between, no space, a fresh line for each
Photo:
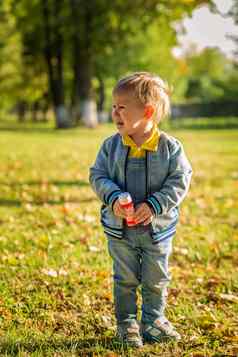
143,214
118,210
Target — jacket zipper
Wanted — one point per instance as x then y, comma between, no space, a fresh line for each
126,159
147,174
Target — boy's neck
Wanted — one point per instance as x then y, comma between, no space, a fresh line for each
140,138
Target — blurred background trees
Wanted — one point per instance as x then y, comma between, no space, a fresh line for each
210,76
63,56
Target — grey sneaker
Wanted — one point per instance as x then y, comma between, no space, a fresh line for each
130,335
160,332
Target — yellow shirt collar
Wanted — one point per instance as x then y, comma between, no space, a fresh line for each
150,144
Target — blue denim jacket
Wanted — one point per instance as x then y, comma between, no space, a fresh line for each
168,175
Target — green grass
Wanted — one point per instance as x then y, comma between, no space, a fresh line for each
55,272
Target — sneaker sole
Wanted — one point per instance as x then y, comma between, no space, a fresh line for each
162,338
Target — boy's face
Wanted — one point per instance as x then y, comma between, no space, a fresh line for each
128,114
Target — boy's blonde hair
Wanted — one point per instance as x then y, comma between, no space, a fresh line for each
148,88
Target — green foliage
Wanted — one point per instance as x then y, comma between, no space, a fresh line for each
210,76
23,78
145,44
10,55
114,38
34,72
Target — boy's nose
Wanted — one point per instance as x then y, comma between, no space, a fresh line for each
115,112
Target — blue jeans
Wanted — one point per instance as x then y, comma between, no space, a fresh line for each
137,261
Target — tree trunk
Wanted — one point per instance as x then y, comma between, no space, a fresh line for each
21,110
84,104
86,100
88,109
62,117
34,111
101,94
102,115
54,59
75,96
44,107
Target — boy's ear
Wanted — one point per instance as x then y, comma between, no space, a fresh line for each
149,111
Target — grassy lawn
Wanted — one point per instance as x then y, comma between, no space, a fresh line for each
55,272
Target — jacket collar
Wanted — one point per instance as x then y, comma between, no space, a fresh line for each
151,144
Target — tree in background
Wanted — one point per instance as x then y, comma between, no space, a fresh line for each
82,46
10,57
24,82
205,69
141,45
53,13
211,76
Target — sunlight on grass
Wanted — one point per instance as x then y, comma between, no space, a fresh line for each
55,285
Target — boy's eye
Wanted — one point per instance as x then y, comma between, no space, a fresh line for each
118,107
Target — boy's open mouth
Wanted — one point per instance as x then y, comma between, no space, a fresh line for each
119,124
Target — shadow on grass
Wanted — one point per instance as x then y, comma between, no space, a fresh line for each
18,203
79,183
216,123
39,202
203,127
19,129
83,347
196,123
30,127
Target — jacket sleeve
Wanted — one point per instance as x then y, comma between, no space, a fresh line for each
176,186
106,190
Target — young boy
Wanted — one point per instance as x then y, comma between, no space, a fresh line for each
153,168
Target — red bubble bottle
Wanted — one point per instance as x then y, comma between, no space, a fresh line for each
126,202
